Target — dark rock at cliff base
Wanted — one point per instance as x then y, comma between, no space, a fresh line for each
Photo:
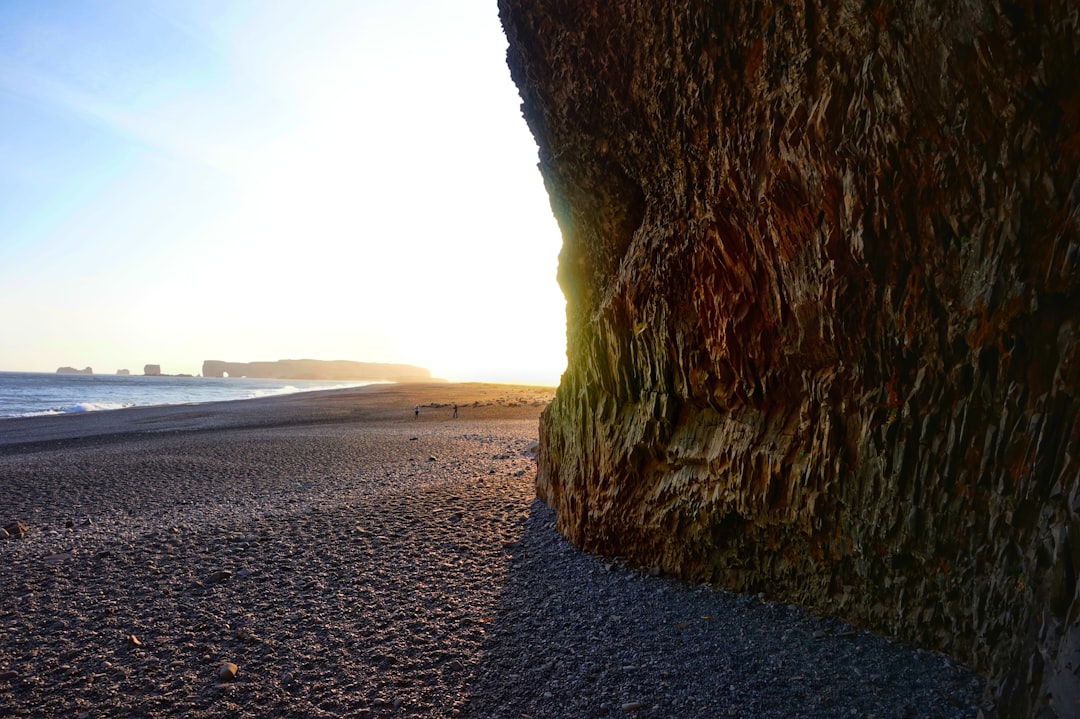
822,264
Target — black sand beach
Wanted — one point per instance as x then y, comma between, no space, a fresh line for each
350,560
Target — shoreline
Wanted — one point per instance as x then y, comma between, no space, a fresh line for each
336,549
382,400
352,560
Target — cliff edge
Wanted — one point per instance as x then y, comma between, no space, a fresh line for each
821,263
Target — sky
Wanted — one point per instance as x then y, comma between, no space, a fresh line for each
245,180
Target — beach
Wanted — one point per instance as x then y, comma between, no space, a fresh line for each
329,554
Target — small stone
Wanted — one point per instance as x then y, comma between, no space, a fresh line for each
227,672
220,575
17,530
133,640
286,677
8,675
631,706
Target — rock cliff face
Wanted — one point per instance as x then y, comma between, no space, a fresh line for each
821,263
317,369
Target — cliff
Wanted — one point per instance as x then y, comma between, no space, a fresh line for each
317,369
821,263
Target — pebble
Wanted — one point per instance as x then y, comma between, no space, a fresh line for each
17,530
227,672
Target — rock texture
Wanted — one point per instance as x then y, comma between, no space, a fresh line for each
822,264
316,369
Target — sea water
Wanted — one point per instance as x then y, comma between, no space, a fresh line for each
26,394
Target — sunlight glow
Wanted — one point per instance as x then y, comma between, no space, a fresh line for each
252,181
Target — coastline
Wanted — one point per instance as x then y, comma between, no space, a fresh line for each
338,550
383,401
352,560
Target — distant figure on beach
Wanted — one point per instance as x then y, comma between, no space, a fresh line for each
455,410
416,412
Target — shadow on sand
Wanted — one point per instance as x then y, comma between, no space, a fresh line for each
576,635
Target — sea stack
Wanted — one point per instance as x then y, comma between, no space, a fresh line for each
72,370
822,270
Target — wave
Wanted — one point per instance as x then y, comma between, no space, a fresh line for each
34,395
272,391
80,407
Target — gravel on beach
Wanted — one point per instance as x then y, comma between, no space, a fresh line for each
332,556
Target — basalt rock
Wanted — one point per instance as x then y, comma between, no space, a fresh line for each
822,263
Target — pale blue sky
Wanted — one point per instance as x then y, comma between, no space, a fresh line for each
267,179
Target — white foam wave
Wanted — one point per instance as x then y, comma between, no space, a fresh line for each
97,406
76,408
271,392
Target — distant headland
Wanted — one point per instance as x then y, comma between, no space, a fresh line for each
72,370
292,369
317,369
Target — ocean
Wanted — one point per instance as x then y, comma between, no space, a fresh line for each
26,394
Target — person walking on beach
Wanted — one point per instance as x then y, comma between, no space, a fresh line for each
455,410
416,412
